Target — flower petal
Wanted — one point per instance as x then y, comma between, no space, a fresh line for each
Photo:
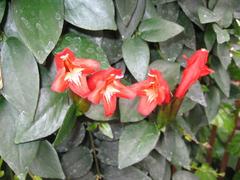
80,89
109,106
59,84
63,55
145,107
89,65
125,92
206,71
95,95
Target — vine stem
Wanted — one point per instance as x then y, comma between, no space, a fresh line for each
211,143
99,175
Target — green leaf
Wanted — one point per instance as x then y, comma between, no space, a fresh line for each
77,162
126,9
195,93
136,51
221,76
106,129
39,23
150,10
67,126
213,101
224,54
18,157
206,172
127,30
136,142
224,10
234,146
88,15
20,77
128,110
207,16
83,47
186,106
209,37
169,11
190,8
174,149
222,34
51,111
158,29
184,175
170,71
108,152
47,164
2,8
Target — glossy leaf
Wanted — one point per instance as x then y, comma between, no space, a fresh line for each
108,152
224,56
20,77
105,128
174,149
158,29
51,169
83,47
207,16
136,142
88,15
2,8
150,10
222,34
169,11
18,157
209,37
170,71
136,51
39,23
51,111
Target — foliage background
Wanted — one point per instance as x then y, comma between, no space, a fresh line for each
131,35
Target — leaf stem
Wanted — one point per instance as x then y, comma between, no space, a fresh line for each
211,143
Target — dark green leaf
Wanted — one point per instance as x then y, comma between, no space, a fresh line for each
234,146
213,101
126,9
67,126
224,54
170,71
207,16
169,11
128,110
83,48
174,149
20,77
46,164
116,130
206,172
190,8
221,76
209,37
222,34
39,23
88,15
2,8
77,162
150,10
158,29
184,175
18,157
51,111
108,152
187,105
136,142
136,51
130,173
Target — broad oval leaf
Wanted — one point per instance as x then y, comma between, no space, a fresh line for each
222,34
2,8
136,142
51,111
97,15
39,23
207,16
20,76
136,56
83,47
46,163
170,71
158,29
18,157
224,55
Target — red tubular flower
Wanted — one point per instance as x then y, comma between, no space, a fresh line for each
72,73
153,91
196,68
106,87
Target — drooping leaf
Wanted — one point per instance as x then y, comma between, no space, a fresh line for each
88,15
77,162
83,48
51,111
20,77
136,142
158,29
174,149
39,23
223,53
51,169
170,71
180,175
129,116
136,56
222,34
207,16
2,8
18,157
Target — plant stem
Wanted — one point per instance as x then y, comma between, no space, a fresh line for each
237,165
99,175
211,144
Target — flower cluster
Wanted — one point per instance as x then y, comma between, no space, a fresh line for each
85,78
